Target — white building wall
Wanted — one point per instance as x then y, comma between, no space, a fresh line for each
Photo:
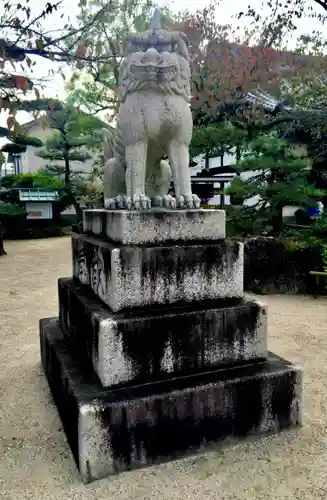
228,159
6,168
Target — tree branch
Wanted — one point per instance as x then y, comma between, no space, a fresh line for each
82,28
60,55
322,3
36,19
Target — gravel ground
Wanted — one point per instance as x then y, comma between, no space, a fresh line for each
35,461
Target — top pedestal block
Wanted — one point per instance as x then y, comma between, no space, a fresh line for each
155,226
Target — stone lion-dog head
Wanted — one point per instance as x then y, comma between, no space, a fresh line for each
156,59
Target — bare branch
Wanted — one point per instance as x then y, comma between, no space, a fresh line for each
35,20
83,28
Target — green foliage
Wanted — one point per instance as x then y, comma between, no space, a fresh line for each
39,180
31,180
216,140
74,135
8,209
279,177
324,257
26,140
15,149
243,222
19,142
72,131
313,237
6,181
4,132
40,105
55,152
11,216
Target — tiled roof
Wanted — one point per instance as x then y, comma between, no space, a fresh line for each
266,100
34,194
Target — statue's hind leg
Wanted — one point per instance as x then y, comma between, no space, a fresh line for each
157,185
114,185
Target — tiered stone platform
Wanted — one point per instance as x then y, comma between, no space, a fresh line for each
156,352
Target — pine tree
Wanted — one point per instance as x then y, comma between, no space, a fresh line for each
279,177
216,139
74,135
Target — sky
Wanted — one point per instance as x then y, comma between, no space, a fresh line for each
225,13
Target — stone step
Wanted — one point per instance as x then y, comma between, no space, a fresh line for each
156,225
136,276
110,431
149,345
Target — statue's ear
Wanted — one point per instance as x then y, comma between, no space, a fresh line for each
183,37
123,89
182,44
123,79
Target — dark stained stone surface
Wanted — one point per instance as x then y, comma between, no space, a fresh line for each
110,431
148,345
124,276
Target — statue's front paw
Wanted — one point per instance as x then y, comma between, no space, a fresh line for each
140,202
180,202
196,202
118,203
110,203
157,201
166,201
169,201
188,201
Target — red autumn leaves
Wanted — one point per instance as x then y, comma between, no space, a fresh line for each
225,70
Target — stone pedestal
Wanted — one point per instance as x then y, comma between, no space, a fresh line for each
155,226
125,276
149,346
115,430
156,352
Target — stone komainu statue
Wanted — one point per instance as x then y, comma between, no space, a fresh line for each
154,119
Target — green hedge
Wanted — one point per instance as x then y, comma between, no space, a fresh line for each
12,210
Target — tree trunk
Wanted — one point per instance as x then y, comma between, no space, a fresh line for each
277,220
206,162
2,250
67,171
77,207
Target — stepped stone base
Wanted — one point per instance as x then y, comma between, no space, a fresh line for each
134,276
142,346
110,431
155,226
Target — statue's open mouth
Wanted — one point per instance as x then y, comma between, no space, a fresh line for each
150,72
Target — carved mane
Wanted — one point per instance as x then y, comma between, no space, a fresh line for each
170,53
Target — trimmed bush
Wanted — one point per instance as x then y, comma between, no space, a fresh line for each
271,266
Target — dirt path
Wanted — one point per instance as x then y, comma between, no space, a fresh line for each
35,462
